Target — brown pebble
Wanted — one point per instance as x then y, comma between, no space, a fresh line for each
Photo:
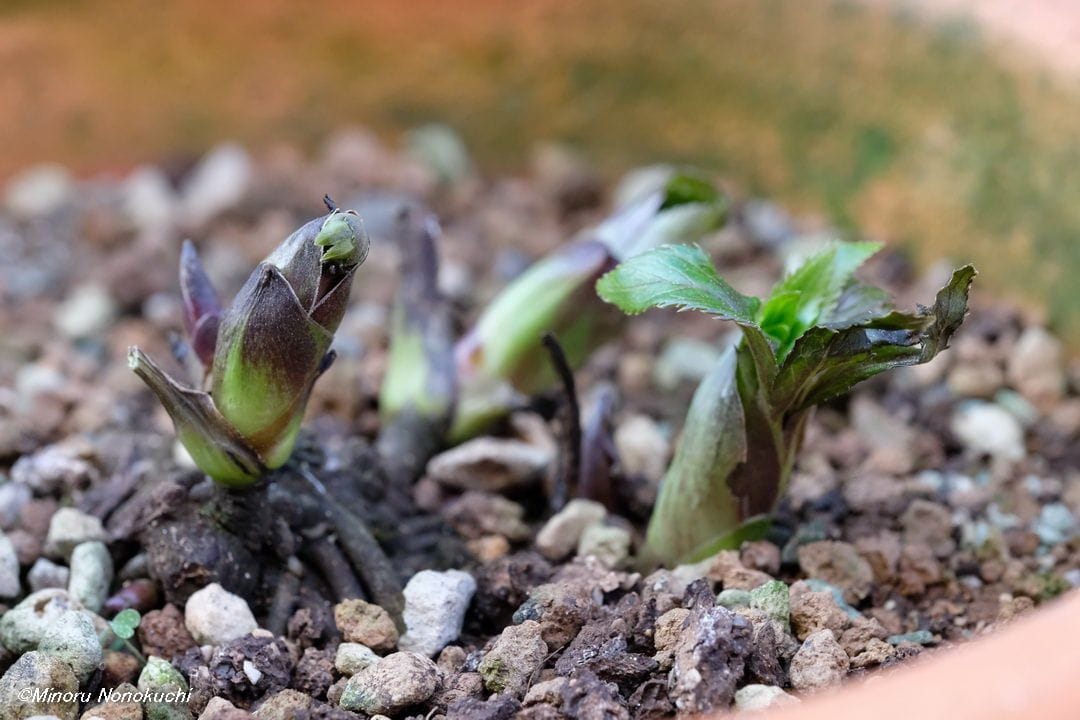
162,633
365,623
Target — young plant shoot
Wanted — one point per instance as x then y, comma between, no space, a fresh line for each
256,361
819,333
501,359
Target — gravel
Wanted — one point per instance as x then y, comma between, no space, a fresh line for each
435,605
514,658
367,624
215,616
562,532
819,663
398,681
70,527
10,584
91,574
38,671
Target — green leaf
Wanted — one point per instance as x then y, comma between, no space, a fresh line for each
812,291
674,276
125,622
827,362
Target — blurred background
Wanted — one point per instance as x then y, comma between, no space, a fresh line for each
950,127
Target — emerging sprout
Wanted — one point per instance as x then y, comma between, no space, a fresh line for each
259,358
818,334
500,358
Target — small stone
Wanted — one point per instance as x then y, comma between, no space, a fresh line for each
709,657
726,566
10,585
929,523
367,624
435,605
813,611
1056,524
91,574
988,429
488,548
918,637
314,673
218,708
158,676
479,514
733,598
976,379
451,660
13,496
396,682
513,659
163,633
496,707
116,706
684,360
546,691
47,574
351,658
586,696
54,468
561,534
643,447
217,183
754,698
70,527
877,651
458,687
72,637
560,608
839,564
882,551
38,191
489,464
248,667
87,311
215,616
667,631
610,544
772,599
38,671
819,663
284,705
857,638
149,199
119,667
760,555
1036,366
22,627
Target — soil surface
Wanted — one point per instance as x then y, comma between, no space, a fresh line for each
929,507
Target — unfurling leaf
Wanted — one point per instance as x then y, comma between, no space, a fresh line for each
818,334
269,346
500,360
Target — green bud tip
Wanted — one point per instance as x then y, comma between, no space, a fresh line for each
342,238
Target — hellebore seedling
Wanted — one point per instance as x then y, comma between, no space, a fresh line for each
123,627
255,362
819,333
500,358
